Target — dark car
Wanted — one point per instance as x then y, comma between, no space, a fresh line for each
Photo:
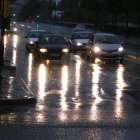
51,47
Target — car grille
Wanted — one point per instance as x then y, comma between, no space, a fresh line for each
84,43
109,51
54,50
109,56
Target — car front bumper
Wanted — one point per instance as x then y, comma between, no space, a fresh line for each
109,56
51,54
80,48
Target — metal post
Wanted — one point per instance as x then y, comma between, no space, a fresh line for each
2,34
5,14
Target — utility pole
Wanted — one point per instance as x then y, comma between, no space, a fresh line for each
5,20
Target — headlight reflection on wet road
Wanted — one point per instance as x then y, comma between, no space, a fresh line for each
30,67
77,77
5,40
40,116
63,100
94,113
77,81
120,84
42,78
64,87
15,41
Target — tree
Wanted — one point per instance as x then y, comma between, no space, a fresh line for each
95,6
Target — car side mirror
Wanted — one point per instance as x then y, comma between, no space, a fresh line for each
36,42
124,44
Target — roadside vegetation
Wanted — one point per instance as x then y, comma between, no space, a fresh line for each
118,16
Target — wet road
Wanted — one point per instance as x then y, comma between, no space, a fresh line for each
76,99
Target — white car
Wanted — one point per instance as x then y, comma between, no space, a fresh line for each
79,40
105,46
32,36
80,27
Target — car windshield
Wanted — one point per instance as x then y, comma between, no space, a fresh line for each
36,33
82,35
53,40
106,39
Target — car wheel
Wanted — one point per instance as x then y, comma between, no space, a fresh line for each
92,59
73,51
121,61
36,56
27,48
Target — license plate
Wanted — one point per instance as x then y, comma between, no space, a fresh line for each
54,54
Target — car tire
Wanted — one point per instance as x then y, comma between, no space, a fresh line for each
36,56
27,49
92,59
121,61
73,50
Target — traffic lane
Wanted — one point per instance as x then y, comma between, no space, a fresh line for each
100,99
76,91
44,132
74,122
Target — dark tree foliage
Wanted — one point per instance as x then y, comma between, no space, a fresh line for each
98,12
34,8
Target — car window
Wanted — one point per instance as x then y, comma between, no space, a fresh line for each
53,40
82,35
36,33
106,39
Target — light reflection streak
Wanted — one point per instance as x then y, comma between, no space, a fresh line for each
94,115
42,78
5,40
120,84
15,40
77,103
15,37
30,66
14,56
10,89
77,76
40,117
65,78
63,102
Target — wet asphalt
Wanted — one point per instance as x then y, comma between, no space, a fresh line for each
76,99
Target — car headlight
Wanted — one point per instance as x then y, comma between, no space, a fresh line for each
31,42
79,44
65,50
120,49
15,29
43,50
96,49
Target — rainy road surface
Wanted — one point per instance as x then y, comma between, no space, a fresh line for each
76,99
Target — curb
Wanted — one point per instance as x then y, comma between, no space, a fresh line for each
16,101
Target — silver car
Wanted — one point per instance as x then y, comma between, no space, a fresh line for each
105,47
32,36
79,40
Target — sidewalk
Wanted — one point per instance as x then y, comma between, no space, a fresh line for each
13,90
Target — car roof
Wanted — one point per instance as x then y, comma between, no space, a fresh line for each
37,30
83,31
52,35
80,27
107,34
